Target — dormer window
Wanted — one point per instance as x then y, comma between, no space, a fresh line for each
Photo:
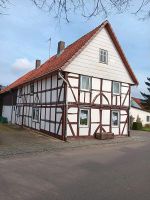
103,56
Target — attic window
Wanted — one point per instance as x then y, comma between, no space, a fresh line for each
103,56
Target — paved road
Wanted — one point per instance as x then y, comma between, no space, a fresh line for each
118,172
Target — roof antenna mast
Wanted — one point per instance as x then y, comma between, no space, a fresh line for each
49,47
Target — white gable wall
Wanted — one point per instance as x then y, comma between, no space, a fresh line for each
87,62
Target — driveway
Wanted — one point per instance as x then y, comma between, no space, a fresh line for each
110,172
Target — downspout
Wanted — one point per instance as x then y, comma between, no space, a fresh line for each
60,75
129,122
12,103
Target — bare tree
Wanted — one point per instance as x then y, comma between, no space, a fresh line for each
64,8
3,6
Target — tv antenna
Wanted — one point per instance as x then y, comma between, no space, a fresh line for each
49,46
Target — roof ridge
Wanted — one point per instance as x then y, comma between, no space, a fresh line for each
57,62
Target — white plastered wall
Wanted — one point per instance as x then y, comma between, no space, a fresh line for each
141,113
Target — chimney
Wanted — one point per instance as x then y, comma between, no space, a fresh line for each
61,47
37,63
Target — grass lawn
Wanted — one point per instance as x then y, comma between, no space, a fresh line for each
146,129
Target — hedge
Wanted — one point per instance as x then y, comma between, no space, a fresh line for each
137,126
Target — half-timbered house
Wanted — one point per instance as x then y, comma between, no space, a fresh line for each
83,89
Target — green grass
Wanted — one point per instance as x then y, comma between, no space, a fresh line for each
146,129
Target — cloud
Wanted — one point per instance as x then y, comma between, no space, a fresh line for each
22,65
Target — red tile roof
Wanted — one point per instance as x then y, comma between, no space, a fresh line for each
56,62
138,101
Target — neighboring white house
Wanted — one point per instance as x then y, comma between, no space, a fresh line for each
137,110
83,89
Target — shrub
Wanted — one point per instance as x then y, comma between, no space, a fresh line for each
137,126
147,126
138,119
3,120
131,121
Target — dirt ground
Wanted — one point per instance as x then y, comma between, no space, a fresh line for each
19,141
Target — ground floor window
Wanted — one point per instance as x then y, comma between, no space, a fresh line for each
115,118
84,118
148,118
35,114
18,111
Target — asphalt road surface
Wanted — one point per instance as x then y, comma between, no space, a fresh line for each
117,172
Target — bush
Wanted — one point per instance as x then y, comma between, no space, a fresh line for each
3,120
137,126
147,126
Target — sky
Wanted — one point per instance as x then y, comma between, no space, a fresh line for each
25,30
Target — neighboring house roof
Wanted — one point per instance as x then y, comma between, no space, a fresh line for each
138,103
1,87
57,62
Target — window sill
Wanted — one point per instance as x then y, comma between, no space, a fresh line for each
83,126
113,126
34,120
116,94
82,90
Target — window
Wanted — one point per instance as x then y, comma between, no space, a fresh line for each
103,56
32,88
116,88
84,118
115,118
85,83
35,114
20,92
148,118
18,110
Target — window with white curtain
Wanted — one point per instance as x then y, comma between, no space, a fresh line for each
35,114
115,118
85,83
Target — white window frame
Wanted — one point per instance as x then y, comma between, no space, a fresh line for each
115,93
81,125
115,111
18,110
36,108
101,53
81,84
147,118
